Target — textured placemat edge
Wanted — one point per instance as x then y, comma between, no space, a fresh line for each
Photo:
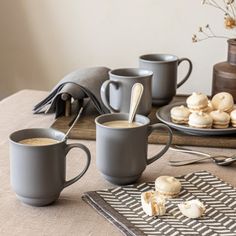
89,197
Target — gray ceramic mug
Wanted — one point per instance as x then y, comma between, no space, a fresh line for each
165,71
38,173
116,91
121,153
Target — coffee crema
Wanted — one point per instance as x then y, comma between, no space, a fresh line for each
38,141
121,124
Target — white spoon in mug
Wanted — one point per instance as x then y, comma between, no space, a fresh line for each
136,94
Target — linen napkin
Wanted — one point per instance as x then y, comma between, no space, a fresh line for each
79,84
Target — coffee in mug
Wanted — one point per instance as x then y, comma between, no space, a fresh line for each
38,165
165,73
116,92
121,124
121,152
38,141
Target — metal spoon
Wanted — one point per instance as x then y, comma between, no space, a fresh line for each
221,160
136,94
84,106
73,124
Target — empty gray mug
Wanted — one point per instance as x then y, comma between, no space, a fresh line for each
165,71
121,153
116,91
38,173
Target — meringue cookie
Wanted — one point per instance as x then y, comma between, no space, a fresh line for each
197,102
209,107
167,186
220,119
152,204
180,114
223,101
192,209
200,120
233,118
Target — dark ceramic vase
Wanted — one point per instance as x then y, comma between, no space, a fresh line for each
224,73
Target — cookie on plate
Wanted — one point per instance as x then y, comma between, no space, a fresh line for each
167,186
233,118
200,120
180,114
197,102
209,107
223,101
220,118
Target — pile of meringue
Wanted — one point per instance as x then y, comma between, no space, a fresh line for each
167,187
201,112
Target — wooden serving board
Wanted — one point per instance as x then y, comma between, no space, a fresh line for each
86,129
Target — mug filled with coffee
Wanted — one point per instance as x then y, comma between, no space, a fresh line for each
121,147
38,165
116,91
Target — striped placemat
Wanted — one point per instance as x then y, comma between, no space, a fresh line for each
122,207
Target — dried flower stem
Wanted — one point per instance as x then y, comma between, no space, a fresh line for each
210,37
228,7
216,5
233,10
212,33
207,33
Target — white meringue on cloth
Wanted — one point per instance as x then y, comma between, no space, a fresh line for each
192,209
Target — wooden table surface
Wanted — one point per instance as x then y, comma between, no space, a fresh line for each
70,215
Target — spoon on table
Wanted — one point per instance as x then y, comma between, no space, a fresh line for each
136,94
221,160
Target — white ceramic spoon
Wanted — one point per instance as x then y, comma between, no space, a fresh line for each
136,94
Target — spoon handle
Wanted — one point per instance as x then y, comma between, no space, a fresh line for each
185,150
187,162
83,107
78,116
136,94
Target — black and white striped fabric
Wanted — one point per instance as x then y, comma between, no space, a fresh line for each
122,207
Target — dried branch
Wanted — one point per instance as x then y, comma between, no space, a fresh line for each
228,7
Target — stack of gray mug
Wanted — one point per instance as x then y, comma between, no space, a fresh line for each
122,150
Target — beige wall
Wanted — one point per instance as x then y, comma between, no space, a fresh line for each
42,40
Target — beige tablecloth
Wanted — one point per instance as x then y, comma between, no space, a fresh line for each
70,215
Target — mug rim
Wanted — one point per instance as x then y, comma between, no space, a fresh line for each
144,58
137,72
12,140
126,115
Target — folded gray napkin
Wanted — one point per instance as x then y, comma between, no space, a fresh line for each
79,84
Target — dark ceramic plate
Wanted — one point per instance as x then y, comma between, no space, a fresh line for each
163,114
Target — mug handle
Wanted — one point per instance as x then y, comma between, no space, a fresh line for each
105,94
189,71
170,134
88,155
